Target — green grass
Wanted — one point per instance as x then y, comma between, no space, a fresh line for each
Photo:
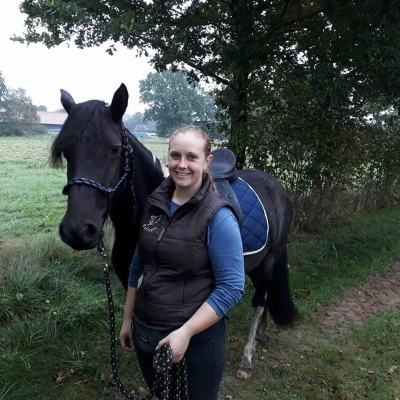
54,335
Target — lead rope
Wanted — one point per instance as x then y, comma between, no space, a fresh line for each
170,382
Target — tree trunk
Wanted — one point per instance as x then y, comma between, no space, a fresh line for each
238,105
238,119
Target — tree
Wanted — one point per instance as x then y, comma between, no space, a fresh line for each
3,89
244,46
172,101
19,108
3,94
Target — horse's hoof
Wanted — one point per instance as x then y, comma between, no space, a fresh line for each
245,364
261,339
243,374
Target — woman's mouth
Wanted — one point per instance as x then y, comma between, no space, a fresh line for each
182,173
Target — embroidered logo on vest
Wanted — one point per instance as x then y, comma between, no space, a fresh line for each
154,219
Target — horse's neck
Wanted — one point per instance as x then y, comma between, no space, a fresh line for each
145,175
148,169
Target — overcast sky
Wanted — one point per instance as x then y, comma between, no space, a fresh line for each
86,74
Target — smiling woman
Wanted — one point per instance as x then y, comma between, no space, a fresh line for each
189,158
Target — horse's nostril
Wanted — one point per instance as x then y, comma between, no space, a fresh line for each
91,229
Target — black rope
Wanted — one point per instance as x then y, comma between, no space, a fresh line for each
171,378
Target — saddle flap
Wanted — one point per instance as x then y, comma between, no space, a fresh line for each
225,190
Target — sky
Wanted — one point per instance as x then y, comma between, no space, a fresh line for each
87,74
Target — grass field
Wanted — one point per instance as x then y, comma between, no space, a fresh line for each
54,336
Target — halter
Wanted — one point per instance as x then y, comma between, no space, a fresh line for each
127,155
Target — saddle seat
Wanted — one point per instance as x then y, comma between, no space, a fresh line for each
223,172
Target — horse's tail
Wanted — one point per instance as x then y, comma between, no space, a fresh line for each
279,300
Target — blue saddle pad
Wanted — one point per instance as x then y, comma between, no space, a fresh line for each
255,226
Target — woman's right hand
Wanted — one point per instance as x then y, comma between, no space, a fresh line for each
126,335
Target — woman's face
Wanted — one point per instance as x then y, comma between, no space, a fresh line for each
187,160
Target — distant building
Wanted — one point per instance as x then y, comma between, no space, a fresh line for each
141,128
52,121
143,132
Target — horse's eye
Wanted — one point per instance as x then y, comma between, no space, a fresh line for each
116,149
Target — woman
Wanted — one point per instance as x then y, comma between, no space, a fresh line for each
191,258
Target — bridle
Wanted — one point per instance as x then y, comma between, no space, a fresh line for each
109,191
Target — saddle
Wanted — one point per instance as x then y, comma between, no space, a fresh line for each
223,172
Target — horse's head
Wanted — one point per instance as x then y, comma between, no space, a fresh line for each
92,142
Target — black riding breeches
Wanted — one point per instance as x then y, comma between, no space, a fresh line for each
205,358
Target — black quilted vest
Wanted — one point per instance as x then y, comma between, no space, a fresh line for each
177,275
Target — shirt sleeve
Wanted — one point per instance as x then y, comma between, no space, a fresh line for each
225,250
135,270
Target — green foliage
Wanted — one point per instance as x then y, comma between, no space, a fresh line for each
16,112
36,130
348,49
314,136
173,102
19,108
10,129
3,92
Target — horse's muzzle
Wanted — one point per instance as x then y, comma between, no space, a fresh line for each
80,237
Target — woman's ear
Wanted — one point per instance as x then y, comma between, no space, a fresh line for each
208,160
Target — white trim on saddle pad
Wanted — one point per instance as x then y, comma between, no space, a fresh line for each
247,253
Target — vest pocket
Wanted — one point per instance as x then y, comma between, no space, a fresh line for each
162,290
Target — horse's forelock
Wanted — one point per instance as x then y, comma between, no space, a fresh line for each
76,124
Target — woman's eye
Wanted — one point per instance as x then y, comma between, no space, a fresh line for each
174,156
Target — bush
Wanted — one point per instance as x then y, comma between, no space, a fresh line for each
10,130
36,130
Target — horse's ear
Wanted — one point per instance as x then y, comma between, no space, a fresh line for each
119,103
66,100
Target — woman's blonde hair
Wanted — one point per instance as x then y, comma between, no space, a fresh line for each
197,130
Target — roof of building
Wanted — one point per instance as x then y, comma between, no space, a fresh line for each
53,118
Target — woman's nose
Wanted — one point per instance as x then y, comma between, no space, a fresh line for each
182,163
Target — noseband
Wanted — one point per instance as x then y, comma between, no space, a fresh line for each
109,191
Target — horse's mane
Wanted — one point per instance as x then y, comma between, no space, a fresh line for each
73,128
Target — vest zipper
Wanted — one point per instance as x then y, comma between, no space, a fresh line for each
161,234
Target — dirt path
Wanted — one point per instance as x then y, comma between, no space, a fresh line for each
381,293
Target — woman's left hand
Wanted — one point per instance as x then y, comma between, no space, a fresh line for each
178,340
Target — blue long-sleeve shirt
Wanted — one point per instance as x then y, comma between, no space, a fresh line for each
225,251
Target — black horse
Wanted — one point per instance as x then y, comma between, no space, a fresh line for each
111,173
